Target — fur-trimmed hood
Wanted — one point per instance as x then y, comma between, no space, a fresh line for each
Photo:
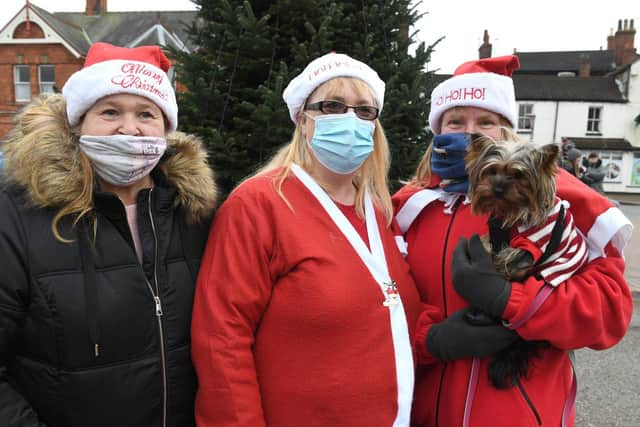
42,156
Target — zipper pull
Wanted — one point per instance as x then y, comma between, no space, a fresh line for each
158,306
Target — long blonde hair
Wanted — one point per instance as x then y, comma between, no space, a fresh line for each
372,175
423,171
41,132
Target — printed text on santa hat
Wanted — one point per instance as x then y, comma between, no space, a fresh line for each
462,94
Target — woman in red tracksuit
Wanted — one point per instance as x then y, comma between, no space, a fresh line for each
590,309
304,308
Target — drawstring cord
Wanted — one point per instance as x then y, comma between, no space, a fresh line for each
450,199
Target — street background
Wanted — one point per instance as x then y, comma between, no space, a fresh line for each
609,380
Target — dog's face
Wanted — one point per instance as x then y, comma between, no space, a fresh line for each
511,180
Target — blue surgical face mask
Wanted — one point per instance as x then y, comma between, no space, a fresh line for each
342,142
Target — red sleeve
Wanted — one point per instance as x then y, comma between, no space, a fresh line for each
591,309
429,316
234,286
402,195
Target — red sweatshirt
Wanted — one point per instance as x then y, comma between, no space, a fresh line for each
591,309
289,327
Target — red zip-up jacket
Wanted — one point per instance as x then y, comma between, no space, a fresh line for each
289,326
591,309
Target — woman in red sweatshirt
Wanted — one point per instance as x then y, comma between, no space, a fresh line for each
304,303
590,309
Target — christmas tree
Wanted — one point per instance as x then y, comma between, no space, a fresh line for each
247,51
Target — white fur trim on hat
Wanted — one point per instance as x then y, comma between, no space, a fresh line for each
326,68
490,91
86,86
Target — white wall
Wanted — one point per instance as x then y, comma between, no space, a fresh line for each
616,122
572,120
632,131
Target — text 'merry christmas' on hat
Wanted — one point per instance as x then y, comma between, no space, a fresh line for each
109,70
484,83
326,68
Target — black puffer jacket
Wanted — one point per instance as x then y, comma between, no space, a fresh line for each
88,336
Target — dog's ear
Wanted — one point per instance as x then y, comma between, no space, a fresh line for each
549,158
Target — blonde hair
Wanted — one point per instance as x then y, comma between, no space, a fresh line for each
423,171
41,132
372,175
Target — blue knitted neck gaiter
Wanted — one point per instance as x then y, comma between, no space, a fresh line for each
447,161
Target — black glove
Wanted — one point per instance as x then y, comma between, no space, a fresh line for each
475,278
455,338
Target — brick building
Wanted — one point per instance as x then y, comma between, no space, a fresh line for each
40,50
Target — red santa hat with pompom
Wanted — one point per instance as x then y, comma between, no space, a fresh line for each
109,70
485,83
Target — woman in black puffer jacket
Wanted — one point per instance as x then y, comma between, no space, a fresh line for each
103,219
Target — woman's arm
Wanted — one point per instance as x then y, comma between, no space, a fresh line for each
15,411
233,289
591,309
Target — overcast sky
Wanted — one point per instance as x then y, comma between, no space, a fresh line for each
541,25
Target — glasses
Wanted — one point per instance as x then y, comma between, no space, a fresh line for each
365,112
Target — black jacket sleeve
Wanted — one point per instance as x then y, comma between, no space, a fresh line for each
15,411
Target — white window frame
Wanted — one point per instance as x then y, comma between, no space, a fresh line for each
526,118
20,84
171,73
46,86
635,170
594,124
612,163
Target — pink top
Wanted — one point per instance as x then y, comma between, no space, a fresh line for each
132,219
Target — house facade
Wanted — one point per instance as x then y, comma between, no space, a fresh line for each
591,98
40,50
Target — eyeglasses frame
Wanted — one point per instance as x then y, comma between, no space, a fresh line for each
318,106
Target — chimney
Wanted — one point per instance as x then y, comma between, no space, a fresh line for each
623,42
95,7
611,41
585,66
484,51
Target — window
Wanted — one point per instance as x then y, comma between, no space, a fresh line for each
525,117
46,73
612,166
635,169
22,83
593,121
172,76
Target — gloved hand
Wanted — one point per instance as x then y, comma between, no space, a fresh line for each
455,338
587,179
475,278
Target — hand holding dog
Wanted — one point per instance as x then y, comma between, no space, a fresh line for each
476,279
455,338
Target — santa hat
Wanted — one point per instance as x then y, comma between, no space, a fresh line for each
326,68
109,70
485,83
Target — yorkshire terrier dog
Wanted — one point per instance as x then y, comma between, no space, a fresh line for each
530,230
